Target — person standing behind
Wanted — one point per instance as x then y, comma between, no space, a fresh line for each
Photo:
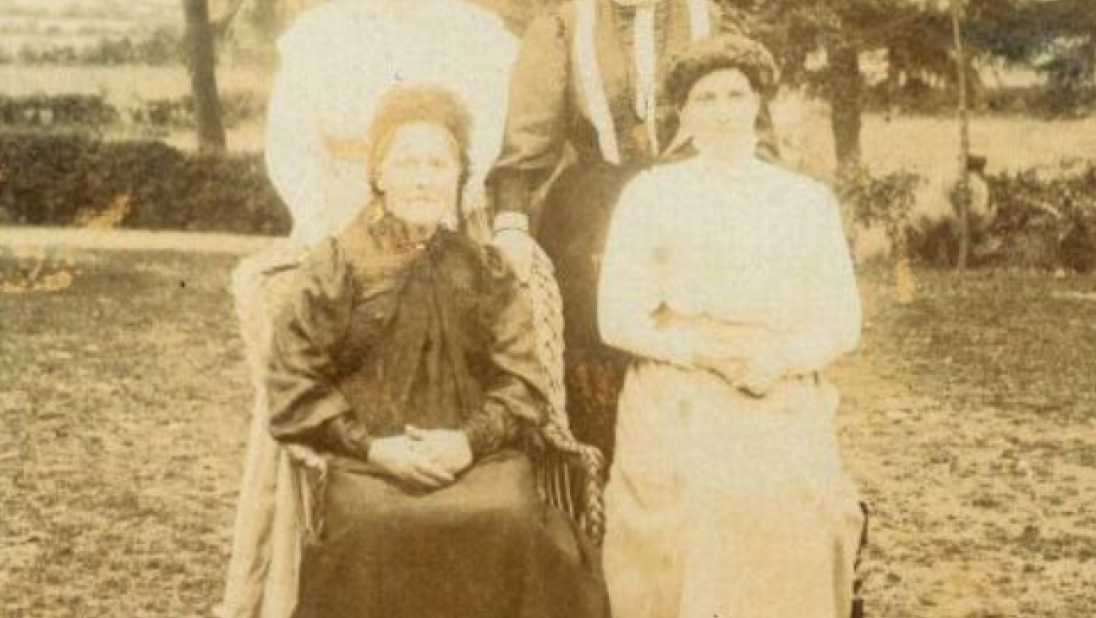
338,59
585,82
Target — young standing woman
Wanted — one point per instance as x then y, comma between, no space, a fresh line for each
729,282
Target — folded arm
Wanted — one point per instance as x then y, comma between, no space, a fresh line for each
631,308
633,315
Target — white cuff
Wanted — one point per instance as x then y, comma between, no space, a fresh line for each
680,353
511,221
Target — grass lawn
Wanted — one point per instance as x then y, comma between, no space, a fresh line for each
969,421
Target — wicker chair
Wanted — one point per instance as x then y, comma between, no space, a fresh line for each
281,502
268,542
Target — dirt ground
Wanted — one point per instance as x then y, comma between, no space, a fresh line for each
969,421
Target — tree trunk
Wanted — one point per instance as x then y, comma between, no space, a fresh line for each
964,138
1092,58
201,56
846,102
894,80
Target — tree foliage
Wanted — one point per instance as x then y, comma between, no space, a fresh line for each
822,44
819,43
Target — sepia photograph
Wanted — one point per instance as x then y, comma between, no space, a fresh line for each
547,308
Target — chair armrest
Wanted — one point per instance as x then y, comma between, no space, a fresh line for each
546,304
571,477
570,474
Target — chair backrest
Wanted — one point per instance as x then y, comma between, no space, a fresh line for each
274,516
260,283
547,307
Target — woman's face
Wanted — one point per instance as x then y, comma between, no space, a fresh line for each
420,174
721,108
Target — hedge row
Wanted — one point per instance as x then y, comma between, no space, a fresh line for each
1045,218
161,48
94,111
66,180
69,109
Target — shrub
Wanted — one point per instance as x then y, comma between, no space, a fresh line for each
878,200
162,47
1042,218
86,110
236,107
63,180
1046,217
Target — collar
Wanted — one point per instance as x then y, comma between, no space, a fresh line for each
635,4
740,167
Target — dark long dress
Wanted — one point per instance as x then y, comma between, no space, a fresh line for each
549,109
437,337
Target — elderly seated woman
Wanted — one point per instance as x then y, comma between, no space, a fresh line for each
404,353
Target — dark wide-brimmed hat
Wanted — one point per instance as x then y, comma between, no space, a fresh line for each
725,51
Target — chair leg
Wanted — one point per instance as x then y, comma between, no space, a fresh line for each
858,581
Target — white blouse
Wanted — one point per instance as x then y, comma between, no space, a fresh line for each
337,61
726,260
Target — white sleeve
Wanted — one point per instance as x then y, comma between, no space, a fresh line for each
485,87
834,326
294,148
631,292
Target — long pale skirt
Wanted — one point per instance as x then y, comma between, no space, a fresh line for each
722,505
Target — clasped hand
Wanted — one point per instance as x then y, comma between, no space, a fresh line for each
745,355
755,375
429,459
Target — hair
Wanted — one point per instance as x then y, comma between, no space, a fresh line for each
711,54
406,105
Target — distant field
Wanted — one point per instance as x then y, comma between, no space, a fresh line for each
83,11
54,23
125,86
927,144
121,83
915,143
1008,142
